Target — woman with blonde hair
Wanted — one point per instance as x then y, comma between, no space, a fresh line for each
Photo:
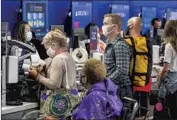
60,72
168,76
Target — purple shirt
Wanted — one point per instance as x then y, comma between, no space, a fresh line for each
100,102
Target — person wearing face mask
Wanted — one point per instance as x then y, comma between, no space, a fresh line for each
23,33
152,33
168,76
141,94
60,70
101,101
100,44
117,56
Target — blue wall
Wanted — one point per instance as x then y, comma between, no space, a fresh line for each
59,8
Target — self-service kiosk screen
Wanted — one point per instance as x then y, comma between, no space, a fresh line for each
36,14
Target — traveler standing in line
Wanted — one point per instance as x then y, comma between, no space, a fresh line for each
141,93
168,76
117,56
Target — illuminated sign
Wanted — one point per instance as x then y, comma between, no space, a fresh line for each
81,14
36,14
122,11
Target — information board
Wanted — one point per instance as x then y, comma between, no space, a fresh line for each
81,14
36,14
171,13
148,13
123,11
93,37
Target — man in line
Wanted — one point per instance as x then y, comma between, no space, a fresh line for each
141,93
117,56
153,32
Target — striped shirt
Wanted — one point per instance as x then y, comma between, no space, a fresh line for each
117,60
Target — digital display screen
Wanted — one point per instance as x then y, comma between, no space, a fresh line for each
171,14
81,14
123,11
35,13
148,13
93,37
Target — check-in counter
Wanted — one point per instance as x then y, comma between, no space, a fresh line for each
17,112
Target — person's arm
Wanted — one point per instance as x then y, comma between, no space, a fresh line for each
122,57
167,60
164,71
56,75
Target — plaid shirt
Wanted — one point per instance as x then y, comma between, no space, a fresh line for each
117,60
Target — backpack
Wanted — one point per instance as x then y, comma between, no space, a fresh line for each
141,60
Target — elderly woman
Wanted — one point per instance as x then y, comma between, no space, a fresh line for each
168,76
60,70
101,101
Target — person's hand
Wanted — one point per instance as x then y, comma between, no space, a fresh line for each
32,72
40,68
49,118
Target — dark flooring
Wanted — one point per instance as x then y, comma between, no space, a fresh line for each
164,115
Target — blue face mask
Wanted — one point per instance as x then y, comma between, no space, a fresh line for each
28,36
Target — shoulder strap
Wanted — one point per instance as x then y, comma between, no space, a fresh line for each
133,55
48,67
67,83
133,43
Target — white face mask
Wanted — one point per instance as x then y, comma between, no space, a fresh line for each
28,36
105,30
50,52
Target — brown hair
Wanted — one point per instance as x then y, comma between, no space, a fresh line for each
116,19
55,37
94,71
170,33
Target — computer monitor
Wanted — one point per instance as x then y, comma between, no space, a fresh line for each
36,14
60,27
79,35
171,14
79,31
